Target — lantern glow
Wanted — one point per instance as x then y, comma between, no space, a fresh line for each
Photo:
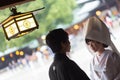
19,24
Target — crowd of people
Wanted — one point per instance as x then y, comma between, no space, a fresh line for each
40,56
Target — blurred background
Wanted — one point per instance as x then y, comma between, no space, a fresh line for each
28,57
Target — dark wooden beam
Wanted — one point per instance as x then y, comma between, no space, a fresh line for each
8,3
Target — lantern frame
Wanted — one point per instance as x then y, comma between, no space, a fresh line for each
19,24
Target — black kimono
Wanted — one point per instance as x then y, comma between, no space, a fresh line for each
63,68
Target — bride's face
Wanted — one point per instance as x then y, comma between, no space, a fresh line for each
94,46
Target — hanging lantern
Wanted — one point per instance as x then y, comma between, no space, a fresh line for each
19,24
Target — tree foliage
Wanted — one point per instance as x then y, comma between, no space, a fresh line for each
55,12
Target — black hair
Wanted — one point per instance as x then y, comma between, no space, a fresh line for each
54,39
88,40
